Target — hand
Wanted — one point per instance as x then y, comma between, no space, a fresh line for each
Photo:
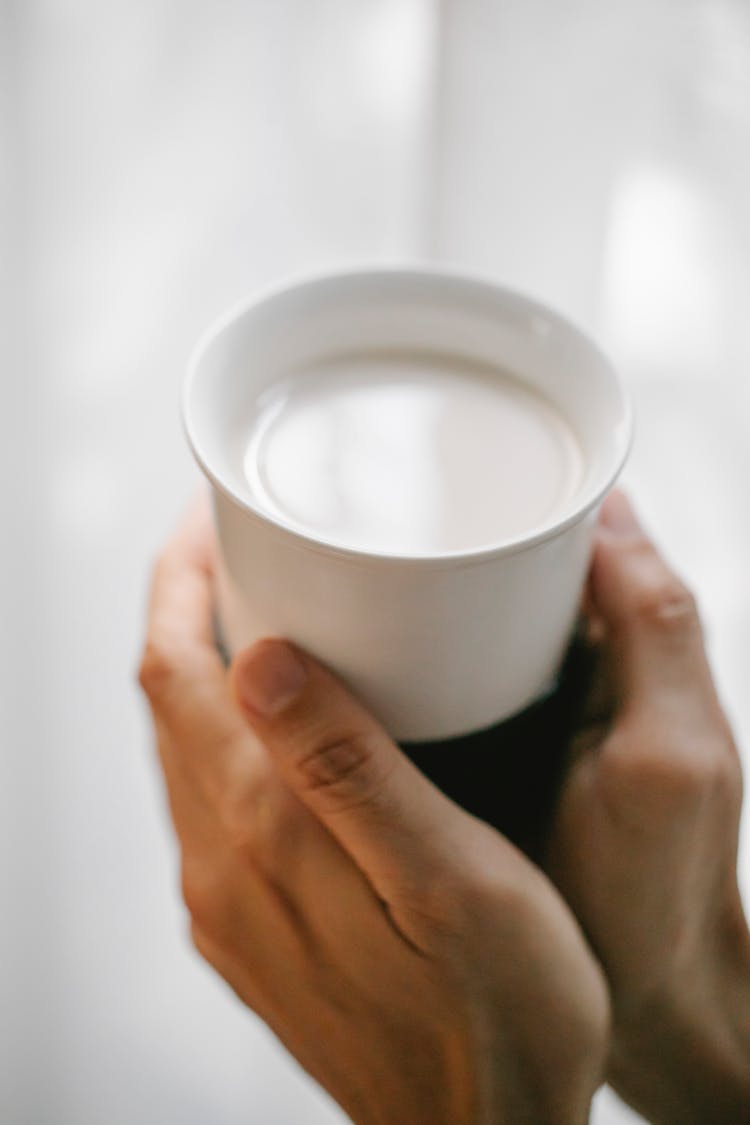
415,963
644,845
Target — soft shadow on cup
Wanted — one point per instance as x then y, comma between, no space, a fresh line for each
440,645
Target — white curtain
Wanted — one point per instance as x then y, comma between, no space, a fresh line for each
160,158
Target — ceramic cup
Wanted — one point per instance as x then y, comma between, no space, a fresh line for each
435,646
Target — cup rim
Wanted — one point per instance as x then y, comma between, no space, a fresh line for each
585,502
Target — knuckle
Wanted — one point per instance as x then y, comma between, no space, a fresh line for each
161,565
207,901
718,774
256,827
495,892
340,769
668,606
699,786
686,776
157,670
668,773
201,942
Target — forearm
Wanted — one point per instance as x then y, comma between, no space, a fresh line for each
687,1062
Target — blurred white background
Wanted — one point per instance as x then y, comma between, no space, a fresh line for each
158,160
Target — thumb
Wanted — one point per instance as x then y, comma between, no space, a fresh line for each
651,620
340,762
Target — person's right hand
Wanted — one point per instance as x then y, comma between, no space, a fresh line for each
644,846
416,963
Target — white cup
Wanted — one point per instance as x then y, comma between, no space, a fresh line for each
435,646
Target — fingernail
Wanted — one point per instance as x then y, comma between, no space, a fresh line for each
270,677
617,515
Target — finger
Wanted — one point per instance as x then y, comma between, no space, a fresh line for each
181,670
181,600
651,620
341,764
194,818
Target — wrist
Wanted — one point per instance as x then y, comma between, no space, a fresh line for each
683,1057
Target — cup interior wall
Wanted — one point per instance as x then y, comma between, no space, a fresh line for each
400,312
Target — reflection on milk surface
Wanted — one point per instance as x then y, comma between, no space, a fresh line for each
409,454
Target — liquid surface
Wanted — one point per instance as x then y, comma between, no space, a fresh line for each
409,455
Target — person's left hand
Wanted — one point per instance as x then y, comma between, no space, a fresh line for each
409,956
643,843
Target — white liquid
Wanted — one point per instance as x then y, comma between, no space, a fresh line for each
410,455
